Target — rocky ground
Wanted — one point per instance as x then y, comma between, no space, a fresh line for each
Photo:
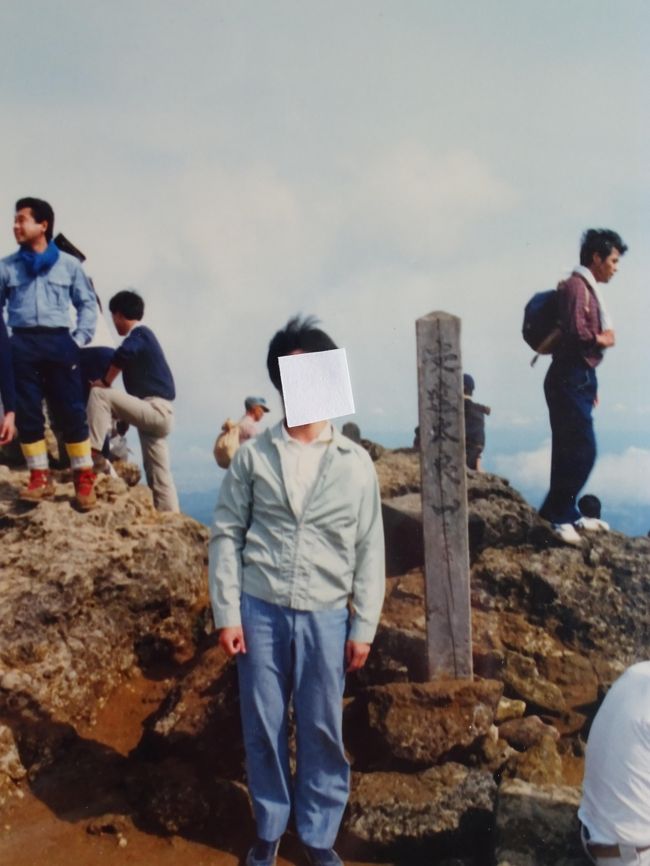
119,713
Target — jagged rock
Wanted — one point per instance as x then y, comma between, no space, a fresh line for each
79,594
509,709
128,472
439,811
524,733
582,604
537,825
10,764
199,719
112,825
398,473
402,517
419,724
521,675
541,764
175,796
493,753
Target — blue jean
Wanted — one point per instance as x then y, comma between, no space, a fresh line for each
46,365
570,388
300,655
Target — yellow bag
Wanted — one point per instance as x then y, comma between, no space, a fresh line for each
227,443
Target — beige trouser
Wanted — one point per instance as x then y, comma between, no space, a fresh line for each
153,418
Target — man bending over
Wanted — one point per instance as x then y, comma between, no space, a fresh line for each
147,404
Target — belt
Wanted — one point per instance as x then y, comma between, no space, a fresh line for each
40,329
606,851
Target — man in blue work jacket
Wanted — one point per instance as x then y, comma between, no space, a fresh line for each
38,284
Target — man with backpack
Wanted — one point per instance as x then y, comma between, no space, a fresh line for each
585,331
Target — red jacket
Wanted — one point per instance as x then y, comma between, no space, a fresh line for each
580,322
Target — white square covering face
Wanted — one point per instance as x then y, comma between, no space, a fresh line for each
316,386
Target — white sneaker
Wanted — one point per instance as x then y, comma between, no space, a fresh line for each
566,532
592,524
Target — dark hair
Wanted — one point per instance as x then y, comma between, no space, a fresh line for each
601,242
129,303
589,505
468,384
297,334
41,211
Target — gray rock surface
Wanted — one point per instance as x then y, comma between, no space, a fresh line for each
537,825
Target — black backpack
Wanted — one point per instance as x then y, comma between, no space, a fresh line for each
541,328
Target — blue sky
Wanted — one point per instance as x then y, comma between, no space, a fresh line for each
369,162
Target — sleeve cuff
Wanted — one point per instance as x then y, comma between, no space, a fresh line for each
226,617
81,338
362,632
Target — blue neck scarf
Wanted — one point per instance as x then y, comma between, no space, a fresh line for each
39,263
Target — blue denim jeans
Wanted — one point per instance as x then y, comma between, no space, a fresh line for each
297,655
570,388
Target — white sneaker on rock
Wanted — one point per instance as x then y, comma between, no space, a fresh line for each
566,532
592,524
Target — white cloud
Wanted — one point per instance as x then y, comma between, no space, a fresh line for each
621,479
526,469
422,203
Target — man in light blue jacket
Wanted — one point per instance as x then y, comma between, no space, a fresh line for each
297,583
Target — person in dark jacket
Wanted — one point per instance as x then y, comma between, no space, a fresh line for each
474,425
147,404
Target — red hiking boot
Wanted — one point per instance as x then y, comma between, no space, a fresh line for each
40,486
84,488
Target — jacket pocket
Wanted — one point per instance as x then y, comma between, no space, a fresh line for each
57,294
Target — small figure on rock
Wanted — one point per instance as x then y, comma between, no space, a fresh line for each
249,424
297,584
147,403
590,510
352,431
615,808
474,425
234,433
38,283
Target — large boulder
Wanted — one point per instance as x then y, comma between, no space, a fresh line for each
419,724
537,825
85,599
437,812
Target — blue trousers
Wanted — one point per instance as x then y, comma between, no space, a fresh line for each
295,655
46,365
570,388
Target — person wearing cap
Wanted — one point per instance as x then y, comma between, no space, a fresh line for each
615,809
474,425
249,425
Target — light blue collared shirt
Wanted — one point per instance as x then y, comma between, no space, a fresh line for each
44,301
